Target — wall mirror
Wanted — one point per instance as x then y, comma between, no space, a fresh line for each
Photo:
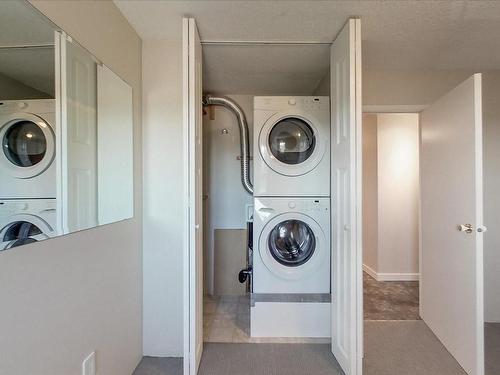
66,133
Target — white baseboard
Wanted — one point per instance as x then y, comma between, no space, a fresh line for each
391,276
370,271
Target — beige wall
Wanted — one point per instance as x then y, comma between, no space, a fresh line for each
398,193
402,87
164,210
390,195
370,192
491,153
63,298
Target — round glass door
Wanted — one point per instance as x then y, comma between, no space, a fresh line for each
292,243
24,144
28,145
20,233
292,141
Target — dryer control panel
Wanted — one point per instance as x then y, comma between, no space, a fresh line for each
308,103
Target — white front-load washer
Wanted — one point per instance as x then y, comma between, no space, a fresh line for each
292,146
291,245
27,136
24,221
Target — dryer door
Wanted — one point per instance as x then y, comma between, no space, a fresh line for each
28,145
292,246
291,144
23,229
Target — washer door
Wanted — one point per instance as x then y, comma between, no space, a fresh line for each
23,229
292,246
28,145
291,144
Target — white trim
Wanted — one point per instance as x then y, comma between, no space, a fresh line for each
479,219
398,276
393,276
186,241
420,240
402,108
59,74
359,334
222,42
370,271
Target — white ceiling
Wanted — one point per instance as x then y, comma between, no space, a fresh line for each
396,34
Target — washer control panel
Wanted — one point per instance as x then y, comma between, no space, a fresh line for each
309,205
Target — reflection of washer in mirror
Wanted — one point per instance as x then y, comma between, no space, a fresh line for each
292,243
21,233
292,140
24,221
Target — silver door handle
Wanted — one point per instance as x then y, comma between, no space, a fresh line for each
467,228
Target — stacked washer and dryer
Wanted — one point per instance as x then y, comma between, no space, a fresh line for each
291,233
27,172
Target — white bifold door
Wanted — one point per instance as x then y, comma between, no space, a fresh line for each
347,289
76,136
193,116
451,268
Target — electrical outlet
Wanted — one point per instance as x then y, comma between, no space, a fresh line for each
88,365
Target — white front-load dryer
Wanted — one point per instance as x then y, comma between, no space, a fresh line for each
24,221
27,136
291,245
292,146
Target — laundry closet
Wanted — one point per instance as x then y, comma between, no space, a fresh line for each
259,117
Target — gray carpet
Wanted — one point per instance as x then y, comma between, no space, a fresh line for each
390,300
391,348
268,359
492,348
406,348
159,366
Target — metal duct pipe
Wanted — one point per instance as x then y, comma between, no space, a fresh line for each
243,126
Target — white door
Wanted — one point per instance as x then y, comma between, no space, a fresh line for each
77,138
115,164
193,117
451,195
347,319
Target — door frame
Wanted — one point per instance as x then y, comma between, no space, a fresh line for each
189,285
188,201
413,109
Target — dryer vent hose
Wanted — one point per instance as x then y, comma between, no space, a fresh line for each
244,143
